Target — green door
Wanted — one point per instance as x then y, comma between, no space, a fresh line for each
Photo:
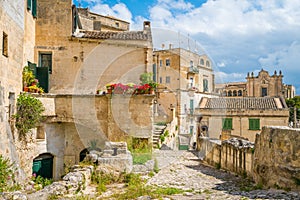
43,167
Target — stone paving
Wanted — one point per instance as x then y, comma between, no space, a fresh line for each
182,169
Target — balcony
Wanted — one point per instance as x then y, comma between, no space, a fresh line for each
193,70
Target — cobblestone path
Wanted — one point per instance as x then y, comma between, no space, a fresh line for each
182,169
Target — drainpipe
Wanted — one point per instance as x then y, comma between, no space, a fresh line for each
295,117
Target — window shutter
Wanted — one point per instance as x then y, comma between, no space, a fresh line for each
29,4
34,8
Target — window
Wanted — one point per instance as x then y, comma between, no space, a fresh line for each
207,64
160,63
191,63
254,124
229,93
191,82
191,129
160,79
234,93
240,93
264,92
191,106
201,61
168,80
46,60
117,24
168,62
227,124
5,44
205,85
31,6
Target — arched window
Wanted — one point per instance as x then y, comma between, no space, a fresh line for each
207,64
224,93
240,93
201,61
230,93
234,93
43,165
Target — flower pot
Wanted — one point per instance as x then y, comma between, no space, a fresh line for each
26,89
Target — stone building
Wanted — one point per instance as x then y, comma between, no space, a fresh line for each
17,36
184,77
258,86
70,59
224,118
83,58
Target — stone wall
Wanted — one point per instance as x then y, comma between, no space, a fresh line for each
273,161
235,155
79,122
276,158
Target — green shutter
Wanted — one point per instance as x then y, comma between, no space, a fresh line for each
227,124
43,77
254,124
29,4
36,167
34,8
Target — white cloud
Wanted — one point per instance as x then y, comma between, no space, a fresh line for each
222,77
119,10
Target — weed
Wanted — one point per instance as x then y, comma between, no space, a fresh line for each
151,174
218,166
207,191
156,168
53,197
7,178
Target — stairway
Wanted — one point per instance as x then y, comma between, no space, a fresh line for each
158,130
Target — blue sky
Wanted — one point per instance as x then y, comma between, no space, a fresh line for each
239,36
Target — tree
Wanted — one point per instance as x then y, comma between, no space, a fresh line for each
291,103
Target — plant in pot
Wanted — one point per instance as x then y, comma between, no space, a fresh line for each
27,78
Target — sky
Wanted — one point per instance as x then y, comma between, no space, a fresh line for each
239,36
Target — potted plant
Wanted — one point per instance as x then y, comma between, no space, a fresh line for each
110,87
27,78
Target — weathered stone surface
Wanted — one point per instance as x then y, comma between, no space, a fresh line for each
276,158
145,168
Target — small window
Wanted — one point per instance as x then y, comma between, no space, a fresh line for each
205,85
191,63
191,106
168,79
160,63
240,93
191,129
201,61
168,62
160,80
264,92
229,93
40,132
46,60
5,44
227,124
234,93
207,64
254,124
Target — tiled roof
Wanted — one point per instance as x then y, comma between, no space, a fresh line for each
126,35
243,103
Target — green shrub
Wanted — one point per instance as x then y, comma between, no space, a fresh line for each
41,182
6,174
29,113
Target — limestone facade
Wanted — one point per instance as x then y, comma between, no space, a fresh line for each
223,118
94,21
83,61
17,36
187,77
258,86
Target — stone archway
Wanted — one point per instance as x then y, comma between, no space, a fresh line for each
43,165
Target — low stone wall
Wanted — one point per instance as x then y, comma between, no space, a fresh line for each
234,155
273,161
277,158
237,156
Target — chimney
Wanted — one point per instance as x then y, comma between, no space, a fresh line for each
146,25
